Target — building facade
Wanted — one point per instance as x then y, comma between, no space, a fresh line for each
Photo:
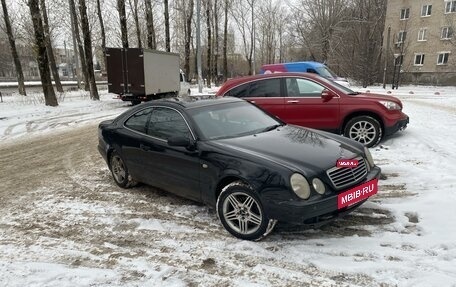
421,38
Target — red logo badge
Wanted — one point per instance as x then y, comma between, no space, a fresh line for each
347,163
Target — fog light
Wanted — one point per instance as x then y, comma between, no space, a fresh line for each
318,185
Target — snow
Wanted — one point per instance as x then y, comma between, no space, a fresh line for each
404,236
29,116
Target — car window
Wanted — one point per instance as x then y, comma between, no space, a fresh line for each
239,92
297,87
165,123
310,70
265,88
138,121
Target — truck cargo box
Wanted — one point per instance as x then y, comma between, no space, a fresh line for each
135,73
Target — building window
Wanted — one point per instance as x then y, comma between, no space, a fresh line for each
405,13
442,58
447,33
419,59
401,36
422,34
426,10
450,6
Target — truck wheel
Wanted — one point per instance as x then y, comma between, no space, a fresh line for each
135,102
242,213
364,129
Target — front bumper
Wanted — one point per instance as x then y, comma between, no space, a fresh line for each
399,125
316,212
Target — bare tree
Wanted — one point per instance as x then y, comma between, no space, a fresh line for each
50,51
41,54
88,49
123,22
267,28
12,42
102,30
80,47
324,18
242,15
216,41
134,9
167,35
209,42
151,39
188,35
361,48
225,39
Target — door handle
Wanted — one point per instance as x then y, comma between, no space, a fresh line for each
293,102
144,147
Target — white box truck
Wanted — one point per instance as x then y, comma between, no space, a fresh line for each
141,75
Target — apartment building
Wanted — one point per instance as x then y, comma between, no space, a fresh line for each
422,41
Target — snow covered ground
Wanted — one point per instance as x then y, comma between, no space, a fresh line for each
404,236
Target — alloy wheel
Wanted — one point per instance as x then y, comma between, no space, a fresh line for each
363,132
242,213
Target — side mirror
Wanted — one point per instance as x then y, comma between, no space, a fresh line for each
327,95
182,142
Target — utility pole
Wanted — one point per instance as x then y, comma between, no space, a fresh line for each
198,45
386,56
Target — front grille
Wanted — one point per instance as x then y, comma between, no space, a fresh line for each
345,176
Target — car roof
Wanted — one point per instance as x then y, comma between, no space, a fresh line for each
190,103
303,63
242,80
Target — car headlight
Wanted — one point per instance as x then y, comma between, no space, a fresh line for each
369,157
300,185
390,105
318,185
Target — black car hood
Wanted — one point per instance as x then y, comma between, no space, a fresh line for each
297,148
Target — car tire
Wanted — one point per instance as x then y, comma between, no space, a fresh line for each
135,102
241,212
364,129
119,171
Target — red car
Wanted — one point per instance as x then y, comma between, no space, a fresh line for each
309,100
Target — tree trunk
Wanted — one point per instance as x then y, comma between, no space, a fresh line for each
209,43
123,22
134,7
103,35
216,31
50,51
80,47
12,41
188,37
151,41
41,54
225,41
88,49
167,37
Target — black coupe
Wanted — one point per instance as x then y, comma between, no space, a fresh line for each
229,154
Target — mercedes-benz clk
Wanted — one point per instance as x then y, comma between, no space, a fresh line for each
252,168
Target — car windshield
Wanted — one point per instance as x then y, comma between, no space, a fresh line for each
340,87
326,72
232,120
